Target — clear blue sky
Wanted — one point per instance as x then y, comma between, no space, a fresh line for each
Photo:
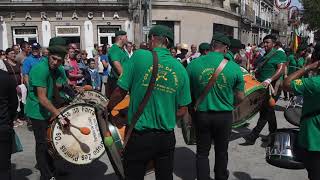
296,3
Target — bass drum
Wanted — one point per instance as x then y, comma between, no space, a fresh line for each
91,97
293,111
255,95
283,151
71,145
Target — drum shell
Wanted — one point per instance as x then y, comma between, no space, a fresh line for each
283,150
255,95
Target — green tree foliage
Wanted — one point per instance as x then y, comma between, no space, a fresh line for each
311,14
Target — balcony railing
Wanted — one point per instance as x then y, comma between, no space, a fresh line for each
248,13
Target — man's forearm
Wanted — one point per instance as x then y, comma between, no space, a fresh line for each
26,79
278,73
44,101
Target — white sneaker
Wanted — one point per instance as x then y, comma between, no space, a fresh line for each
52,178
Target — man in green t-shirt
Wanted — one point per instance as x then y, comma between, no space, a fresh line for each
309,134
213,117
117,57
39,107
268,73
153,135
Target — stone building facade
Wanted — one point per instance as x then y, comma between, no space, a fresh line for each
87,22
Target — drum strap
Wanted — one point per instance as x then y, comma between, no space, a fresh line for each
260,66
211,82
145,99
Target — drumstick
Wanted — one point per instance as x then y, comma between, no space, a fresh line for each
83,130
84,147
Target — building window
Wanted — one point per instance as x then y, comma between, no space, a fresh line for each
106,34
20,34
224,29
70,33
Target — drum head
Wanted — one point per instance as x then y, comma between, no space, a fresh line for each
248,107
91,97
294,111
293,115
73,146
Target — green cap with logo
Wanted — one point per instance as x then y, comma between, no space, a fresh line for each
162,31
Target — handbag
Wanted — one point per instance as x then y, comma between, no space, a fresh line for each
16,143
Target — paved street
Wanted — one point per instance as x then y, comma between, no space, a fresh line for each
245,162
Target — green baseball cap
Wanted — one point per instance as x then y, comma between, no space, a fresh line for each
120,33
57,41
221,38
162,31
204,46
58,50
235,43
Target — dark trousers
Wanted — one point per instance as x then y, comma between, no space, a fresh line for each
267,115
110,86
143,147
311,161
44,160
214,126
6,135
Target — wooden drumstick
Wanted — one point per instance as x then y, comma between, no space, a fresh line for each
83,130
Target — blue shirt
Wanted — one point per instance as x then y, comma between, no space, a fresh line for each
28,63
105,59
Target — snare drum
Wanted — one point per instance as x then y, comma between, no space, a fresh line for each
283,150
91,97
255,95
71,145
294,110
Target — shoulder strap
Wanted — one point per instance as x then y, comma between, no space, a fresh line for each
211,82
145,99
265,61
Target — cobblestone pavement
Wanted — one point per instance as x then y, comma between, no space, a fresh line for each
245,162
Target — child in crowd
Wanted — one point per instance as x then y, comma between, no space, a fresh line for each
95,77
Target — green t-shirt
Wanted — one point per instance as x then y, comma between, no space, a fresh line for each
292,64
41,76
115,53
300,63
268,70
172,89
309,135
221,96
